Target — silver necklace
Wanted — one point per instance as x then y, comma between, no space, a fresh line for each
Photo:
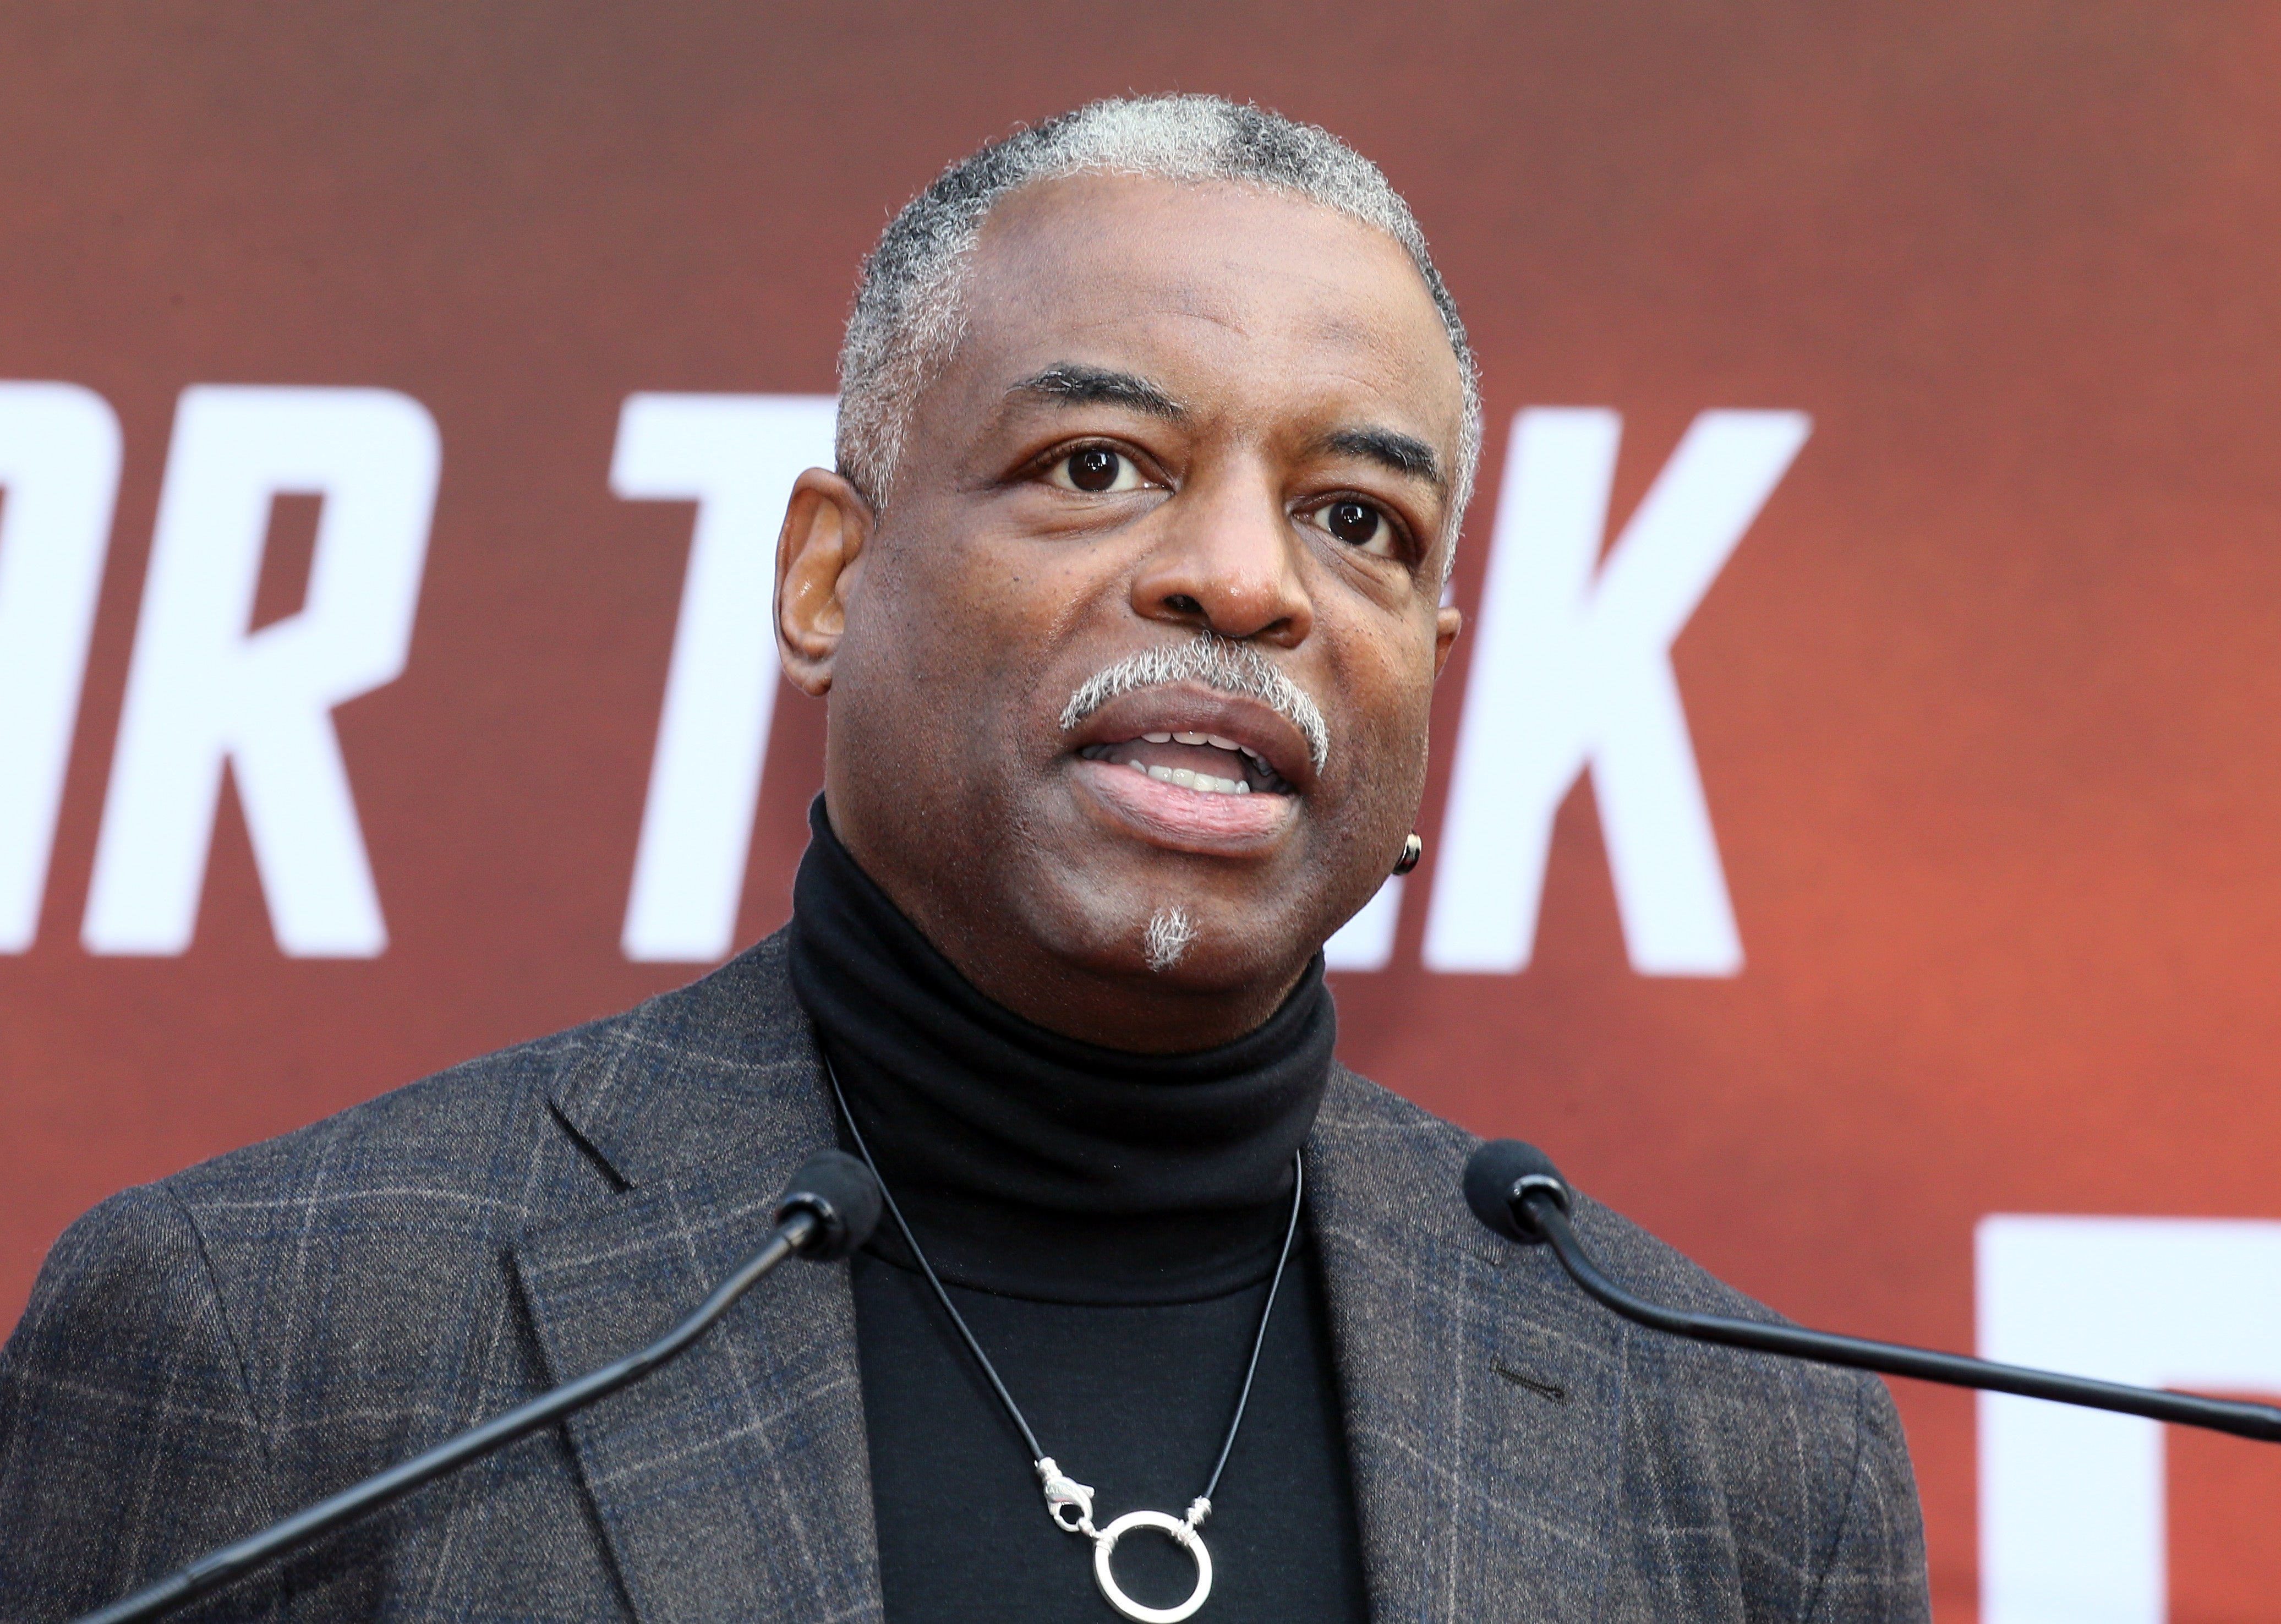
1068,1502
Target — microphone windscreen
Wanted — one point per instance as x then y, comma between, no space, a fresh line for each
1491,1174
844,1196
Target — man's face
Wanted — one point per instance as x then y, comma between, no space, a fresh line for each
1175,411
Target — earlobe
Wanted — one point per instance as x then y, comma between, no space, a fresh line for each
826,524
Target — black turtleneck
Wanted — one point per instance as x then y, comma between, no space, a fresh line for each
1108,1224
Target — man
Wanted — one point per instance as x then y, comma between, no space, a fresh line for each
1156,429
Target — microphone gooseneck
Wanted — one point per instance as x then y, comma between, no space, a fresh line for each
1514,1190
828,1210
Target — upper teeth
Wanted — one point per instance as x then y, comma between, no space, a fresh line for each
1188,780
1213,740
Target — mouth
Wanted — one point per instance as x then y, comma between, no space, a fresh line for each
1204,763
1196,771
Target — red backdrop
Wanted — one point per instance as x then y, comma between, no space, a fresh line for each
1985,703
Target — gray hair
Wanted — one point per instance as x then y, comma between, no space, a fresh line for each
910,317
1170,934
1212,661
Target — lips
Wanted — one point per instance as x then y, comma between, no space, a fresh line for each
1185,819
1195,768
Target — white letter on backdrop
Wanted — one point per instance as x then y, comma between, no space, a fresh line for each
2073,1523
1572,669
736,457
203,690
60,472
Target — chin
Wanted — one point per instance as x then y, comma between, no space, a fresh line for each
1191,945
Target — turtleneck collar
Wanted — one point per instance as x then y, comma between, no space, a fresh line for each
1033,1165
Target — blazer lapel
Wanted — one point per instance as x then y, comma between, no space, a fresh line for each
1482,1404
736,1482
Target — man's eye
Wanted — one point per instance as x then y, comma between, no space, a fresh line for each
1095,471
1358,524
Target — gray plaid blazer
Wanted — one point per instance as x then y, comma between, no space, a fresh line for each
206,1353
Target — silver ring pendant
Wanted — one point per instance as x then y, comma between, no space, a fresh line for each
1105,1542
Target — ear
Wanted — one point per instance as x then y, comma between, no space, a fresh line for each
818,564
1448,620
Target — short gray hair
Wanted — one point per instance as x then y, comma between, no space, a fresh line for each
909,314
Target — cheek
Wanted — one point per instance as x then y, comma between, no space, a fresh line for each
958,637
1391,690
926,611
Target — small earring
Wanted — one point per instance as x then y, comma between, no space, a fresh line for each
1412,849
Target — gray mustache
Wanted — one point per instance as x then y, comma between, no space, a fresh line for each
1213,662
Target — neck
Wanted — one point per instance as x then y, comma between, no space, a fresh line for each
1036,1164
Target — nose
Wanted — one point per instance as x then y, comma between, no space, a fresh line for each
1228,562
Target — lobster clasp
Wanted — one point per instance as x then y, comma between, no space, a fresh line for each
1068,1502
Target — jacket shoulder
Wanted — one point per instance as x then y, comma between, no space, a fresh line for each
450,1136
121,1369
1785,1484
269,1324
1436,1151
354,1256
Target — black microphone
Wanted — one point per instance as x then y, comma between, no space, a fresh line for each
1515,1190
830,1208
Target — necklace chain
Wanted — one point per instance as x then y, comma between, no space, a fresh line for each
1068,1502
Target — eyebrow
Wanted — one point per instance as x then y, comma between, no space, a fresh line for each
1074,384
1404,453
